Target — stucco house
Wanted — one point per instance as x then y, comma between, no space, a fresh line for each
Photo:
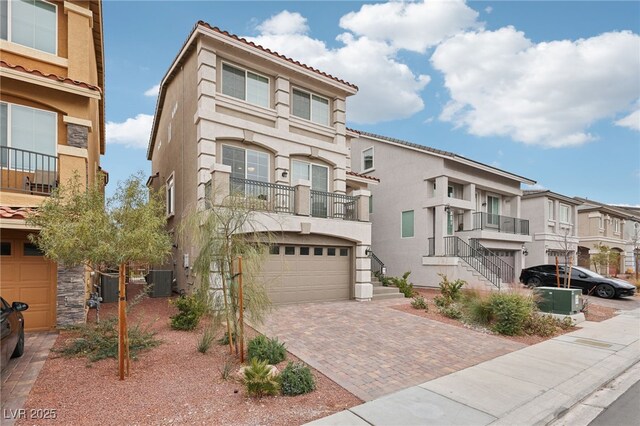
238,118
52,126
631,236
553,220
438,212
602,224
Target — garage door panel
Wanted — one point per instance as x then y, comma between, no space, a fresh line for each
36,320
34,271
10,271
35,295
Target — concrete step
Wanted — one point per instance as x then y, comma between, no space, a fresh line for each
385,290
383,296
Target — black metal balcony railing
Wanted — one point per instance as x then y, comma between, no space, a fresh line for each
263,196
333,206
454,246
495,222
27,171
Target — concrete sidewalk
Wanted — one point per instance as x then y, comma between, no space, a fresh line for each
532,386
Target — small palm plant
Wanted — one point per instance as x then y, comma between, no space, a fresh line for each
259,380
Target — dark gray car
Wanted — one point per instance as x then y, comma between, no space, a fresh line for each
12,323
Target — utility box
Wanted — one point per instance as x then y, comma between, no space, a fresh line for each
557,300
159,282
109,288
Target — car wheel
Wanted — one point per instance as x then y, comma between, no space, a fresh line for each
19,350
534,282
605,291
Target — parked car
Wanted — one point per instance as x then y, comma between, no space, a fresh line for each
585,279
12,324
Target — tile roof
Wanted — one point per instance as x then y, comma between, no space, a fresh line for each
362,175
67,80
264,49
15,212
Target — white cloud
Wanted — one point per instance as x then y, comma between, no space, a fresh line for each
631,121
411,26
284,22
488,9
153,91
133,132
388,89
534,187
547,94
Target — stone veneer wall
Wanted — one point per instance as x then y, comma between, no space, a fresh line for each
77,135
71,296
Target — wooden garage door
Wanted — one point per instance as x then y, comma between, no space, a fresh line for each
297,274
27,276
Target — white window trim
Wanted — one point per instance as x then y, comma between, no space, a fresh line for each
246,70
309,164
568,221
246,169
55,114
414,224
616,226
9,29
373,159
171,203
311,94
552,210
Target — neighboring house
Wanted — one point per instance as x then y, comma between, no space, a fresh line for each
235,117
602,224
553,227
438,212
51,126
631,237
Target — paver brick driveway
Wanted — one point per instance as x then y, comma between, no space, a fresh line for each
371,349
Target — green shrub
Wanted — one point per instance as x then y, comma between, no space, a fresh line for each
258,379
297,379
439,301
510,310
450,290
478,309
100,341
265,349
224,340
205,340
451,311
190,310
402,283
418,302
540,325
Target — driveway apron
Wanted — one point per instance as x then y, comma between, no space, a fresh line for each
372,350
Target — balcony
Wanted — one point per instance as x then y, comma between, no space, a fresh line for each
27,171
270,197
496,223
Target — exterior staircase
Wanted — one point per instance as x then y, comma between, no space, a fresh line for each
381,292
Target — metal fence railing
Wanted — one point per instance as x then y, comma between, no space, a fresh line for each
263,196
333,206
454,246
27,171
498,223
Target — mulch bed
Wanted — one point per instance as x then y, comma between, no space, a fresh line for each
170,384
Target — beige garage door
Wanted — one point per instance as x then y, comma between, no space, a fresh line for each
28,277
297,273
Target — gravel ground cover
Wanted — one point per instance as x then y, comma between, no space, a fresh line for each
170,384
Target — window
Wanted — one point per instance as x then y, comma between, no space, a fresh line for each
331,251
5,249
304,251
564,213
367,159
407,224
318,251
246,163
31,23
493,210
310,107
170,196
30,249
344,252
601,222
317,174
245,85
552,213
370,204
616,226
274,249
28,129
289,250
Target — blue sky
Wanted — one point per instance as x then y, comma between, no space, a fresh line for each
546,90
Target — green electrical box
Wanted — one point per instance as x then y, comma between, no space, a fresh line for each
558,300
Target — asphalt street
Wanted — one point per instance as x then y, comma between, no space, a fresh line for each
625,411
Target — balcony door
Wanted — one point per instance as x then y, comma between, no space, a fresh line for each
318,175
249,169
493,210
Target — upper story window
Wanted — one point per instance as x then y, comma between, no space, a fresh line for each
31,23
407,224
317,174
28,132
245,85
246,163
367,159
171,196
551,209
565,213
310,107
616,226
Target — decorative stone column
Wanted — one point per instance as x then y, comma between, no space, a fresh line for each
70,302
220,182
302,202
362,196
364,288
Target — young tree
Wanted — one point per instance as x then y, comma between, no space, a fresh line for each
220,234
77,228
604,258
